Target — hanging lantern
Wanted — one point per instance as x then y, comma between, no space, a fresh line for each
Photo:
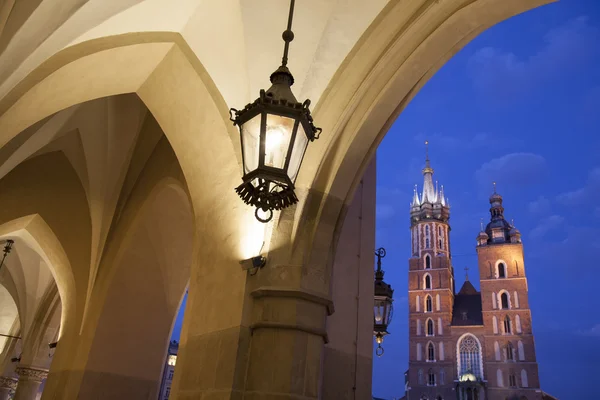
274,131
383,309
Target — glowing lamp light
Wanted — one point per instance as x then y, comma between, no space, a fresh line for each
274,132
383,307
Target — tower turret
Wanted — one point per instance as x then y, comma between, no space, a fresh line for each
498,230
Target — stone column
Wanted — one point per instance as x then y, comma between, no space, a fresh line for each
7,387
30,380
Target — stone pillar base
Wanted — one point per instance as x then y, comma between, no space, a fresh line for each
30,380
7,387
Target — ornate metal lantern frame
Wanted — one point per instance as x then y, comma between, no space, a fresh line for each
275,131
383,307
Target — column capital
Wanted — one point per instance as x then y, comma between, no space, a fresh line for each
8,383
32,374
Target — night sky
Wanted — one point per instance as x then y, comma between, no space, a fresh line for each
520,105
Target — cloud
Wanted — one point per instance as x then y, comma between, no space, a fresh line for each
505,73
539,206
546,225
584,195
515,168
593,331
448,142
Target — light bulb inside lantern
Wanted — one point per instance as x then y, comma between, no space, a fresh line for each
273,140
378,318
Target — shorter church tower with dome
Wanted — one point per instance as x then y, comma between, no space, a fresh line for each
467,344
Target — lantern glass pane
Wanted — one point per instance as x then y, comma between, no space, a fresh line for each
300,144
380,312
251,143
277,140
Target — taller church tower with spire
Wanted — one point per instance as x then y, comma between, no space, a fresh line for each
468,345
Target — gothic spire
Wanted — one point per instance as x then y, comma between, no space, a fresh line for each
431,202
429,195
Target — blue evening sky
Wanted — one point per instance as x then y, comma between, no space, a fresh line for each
520,105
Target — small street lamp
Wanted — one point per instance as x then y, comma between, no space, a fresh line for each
383,309
274,131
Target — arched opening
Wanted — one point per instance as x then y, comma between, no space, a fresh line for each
504,301
510,352
501,270
469,356
430,327
427,281
430,378
507,325
430,352
151,273
427,261
428,304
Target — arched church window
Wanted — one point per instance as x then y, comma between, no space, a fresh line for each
507,325
430,330
510,352
430,352
469,352
427,262
427,243
504,300
430,378
512,380
501,270
428,304
427,281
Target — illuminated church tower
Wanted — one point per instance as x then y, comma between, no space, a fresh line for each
468,345
430,286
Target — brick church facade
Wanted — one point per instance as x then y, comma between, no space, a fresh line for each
466,344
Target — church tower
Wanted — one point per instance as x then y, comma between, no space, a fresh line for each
511,368
431,287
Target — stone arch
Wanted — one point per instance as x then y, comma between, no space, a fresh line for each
177,90
35,233
393,60
139,293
